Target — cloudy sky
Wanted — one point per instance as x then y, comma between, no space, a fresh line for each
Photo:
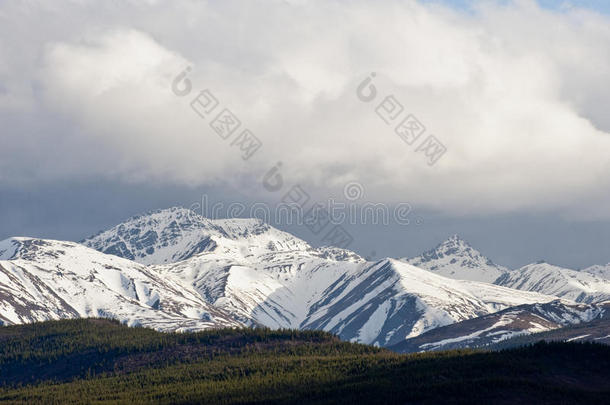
516,92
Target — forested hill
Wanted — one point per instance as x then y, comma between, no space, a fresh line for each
102,361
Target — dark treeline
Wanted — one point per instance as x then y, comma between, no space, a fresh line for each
102,361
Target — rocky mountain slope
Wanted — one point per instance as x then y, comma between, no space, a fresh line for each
45,279
595,331
548,279
490,329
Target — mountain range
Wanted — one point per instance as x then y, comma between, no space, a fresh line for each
175,270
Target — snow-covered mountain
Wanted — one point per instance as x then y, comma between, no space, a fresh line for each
388,301
175,234
44,279
455,258
601,271
548,279
172,269
267,277
378,303
493,328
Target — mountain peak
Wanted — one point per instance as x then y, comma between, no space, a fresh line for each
456,258
454,241
176,234
452,246
173,212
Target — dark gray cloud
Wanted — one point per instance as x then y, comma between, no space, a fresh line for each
76,210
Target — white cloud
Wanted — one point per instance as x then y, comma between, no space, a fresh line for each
516,93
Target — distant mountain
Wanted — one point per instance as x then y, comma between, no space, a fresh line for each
175,234
455,258
545,278
493,328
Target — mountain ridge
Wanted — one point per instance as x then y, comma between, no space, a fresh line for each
202,273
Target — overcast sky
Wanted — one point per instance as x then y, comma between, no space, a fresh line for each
517,92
